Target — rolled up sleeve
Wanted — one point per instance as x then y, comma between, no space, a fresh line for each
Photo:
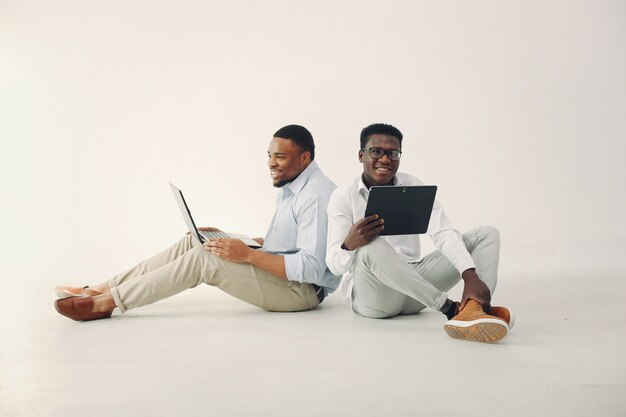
307,264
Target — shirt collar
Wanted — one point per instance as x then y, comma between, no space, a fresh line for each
296,185
363,189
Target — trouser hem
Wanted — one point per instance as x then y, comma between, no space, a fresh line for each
116,296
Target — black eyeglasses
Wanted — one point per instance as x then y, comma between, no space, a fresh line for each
377,153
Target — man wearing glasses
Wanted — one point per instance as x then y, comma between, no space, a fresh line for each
288,274
386,274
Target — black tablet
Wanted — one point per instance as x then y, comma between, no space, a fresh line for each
405,209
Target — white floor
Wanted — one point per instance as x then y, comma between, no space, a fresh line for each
202,353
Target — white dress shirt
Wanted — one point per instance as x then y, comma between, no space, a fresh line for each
347,206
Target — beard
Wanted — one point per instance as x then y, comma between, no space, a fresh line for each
284,182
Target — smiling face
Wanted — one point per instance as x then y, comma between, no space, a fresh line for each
286,161
379,171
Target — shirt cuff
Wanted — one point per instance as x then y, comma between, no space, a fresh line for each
293,267
343,260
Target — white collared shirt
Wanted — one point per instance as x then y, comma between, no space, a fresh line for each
347,206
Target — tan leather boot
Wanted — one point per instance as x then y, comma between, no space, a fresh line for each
472,323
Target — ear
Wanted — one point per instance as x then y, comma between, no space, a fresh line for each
360,156
305,157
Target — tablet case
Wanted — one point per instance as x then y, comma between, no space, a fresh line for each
405,209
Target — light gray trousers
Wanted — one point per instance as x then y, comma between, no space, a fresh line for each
384,285
187,264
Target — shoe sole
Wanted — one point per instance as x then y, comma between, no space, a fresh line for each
511,319
485,331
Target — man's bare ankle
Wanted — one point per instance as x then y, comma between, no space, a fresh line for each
103,288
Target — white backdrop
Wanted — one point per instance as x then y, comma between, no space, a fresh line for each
516,110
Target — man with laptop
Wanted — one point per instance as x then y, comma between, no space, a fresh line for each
287,274
386,275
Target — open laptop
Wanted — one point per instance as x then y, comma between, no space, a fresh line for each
203,235
405,209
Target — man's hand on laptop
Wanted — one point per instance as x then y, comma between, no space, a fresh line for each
233,250
363,232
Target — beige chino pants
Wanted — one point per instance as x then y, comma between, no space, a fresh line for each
187,264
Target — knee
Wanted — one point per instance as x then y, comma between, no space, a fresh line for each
186,240
488,233
373,248
191,242
485,234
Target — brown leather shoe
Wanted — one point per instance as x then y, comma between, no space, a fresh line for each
472,323
79,309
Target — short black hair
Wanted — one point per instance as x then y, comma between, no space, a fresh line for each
379,129
300,136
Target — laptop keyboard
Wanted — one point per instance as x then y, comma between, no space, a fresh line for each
213,234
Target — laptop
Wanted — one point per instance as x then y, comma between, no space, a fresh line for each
203,235
405,209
